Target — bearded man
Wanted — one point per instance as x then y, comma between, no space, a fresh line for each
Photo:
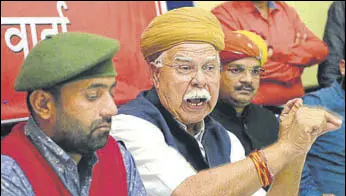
64,148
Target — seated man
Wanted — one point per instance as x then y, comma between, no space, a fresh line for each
244,55
178,147
324,169
65,148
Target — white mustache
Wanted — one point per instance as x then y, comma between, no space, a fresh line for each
197,94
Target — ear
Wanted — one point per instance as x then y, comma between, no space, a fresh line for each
342,66
42,103
155,74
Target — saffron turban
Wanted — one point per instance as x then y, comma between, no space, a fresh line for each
241,44
180,25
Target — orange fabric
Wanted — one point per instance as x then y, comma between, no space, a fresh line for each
241,44
283,70
169,29
262,168
273,93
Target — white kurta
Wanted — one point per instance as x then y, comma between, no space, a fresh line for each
161,167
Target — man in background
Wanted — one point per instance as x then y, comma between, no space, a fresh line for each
292,46
242,59
334,36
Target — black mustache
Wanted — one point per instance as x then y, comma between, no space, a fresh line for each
245,86
100,122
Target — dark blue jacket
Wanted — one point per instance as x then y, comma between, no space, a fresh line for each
215,141
334,36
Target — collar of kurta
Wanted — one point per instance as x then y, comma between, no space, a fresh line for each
47,147
198,129
215,139
252,8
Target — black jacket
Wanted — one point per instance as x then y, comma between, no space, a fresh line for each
334,36
256,128
215,140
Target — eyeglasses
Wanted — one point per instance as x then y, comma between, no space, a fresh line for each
239,70
190,69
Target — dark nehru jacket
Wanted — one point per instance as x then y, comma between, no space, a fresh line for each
215,141
256,127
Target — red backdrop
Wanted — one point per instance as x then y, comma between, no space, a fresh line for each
124,21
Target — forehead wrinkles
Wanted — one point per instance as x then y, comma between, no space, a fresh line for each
192,52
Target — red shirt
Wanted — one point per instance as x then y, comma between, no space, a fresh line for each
282,80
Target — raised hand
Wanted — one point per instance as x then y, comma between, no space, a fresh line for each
287,116
302,125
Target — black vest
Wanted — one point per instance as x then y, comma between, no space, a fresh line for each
256,128
215,140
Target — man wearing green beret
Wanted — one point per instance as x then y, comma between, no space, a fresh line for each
178,147
64,148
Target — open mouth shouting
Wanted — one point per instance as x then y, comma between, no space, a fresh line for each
197,99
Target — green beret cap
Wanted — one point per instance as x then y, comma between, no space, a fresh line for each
66,57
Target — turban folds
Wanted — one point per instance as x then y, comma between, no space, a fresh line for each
241,44
180,25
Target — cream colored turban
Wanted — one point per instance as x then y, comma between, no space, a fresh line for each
180,25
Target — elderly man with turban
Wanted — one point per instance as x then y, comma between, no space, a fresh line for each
178,148
242,60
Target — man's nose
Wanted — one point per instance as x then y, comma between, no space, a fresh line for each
109,107
199,79
246,76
